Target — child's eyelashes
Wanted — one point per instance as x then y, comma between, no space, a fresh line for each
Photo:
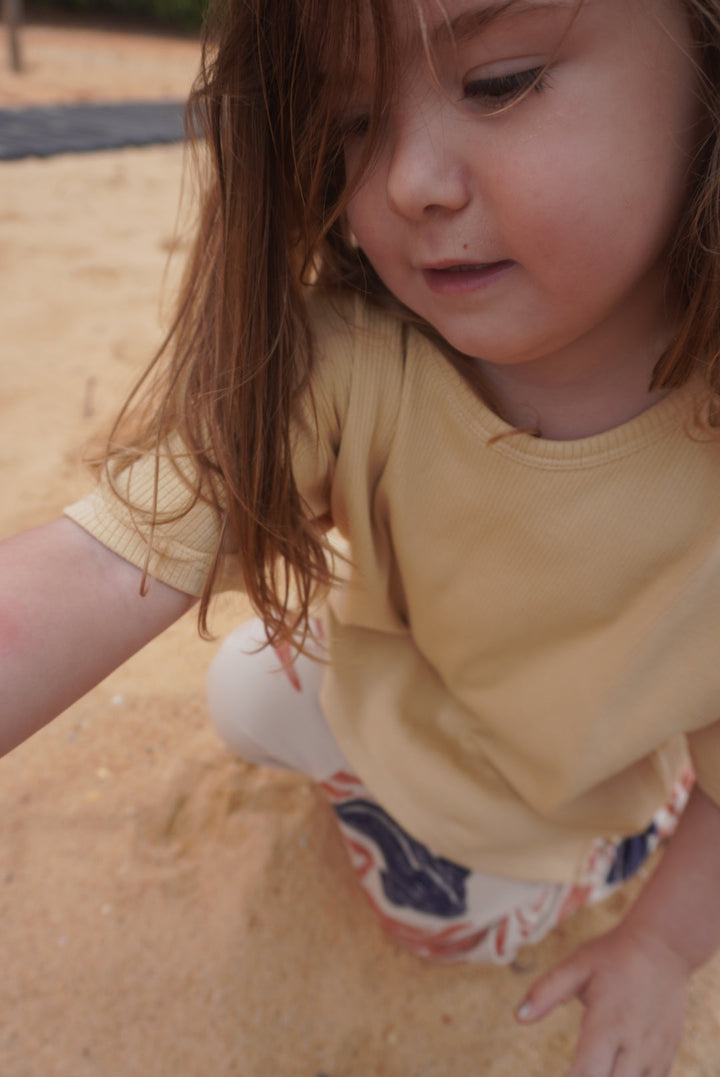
493,93
500,90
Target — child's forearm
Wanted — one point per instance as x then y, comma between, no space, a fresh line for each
70,612
680,903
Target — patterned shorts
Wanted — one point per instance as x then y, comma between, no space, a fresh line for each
435,907
427,903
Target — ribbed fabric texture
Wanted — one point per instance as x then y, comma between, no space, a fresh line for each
526,642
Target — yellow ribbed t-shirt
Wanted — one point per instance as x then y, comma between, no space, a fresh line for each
526,644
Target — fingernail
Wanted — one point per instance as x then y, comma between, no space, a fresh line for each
525,1011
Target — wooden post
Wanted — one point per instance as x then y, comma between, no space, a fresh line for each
12,17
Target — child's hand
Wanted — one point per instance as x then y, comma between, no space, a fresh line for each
633,986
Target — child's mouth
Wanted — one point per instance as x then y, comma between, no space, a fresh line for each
463,277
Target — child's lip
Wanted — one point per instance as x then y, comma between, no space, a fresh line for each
460,265
451,276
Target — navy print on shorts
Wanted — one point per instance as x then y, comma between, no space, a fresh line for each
412,876
631,854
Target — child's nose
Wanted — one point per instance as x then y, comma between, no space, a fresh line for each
426,173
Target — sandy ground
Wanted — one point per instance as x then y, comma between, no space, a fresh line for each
165,909
84,64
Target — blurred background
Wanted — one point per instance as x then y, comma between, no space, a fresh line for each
171,14
87,51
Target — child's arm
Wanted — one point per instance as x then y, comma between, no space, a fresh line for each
70,612
633,980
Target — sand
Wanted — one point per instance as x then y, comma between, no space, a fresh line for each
166,909
86,64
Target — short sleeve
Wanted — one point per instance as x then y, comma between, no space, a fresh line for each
180,549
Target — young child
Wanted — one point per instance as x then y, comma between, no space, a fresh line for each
445,373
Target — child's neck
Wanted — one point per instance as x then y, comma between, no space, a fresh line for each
580,391
568,410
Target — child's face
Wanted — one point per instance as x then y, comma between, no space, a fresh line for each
541,230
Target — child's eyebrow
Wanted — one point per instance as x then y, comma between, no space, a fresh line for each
468,23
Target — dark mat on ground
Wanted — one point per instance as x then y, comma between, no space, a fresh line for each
42,131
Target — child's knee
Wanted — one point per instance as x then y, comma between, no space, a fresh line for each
268,712
237,690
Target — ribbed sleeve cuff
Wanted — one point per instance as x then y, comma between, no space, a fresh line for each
175,564
179,550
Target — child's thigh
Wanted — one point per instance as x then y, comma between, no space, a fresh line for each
267,714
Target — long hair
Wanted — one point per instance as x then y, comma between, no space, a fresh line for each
694,263
265,115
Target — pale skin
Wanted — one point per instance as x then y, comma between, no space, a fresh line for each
72,609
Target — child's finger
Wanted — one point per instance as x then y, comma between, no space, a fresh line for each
598,1055
559,985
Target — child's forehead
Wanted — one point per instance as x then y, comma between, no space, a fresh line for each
410,29
435,21
407,30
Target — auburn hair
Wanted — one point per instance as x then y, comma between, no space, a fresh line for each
265,118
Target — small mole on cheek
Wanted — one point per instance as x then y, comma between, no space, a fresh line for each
465,246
